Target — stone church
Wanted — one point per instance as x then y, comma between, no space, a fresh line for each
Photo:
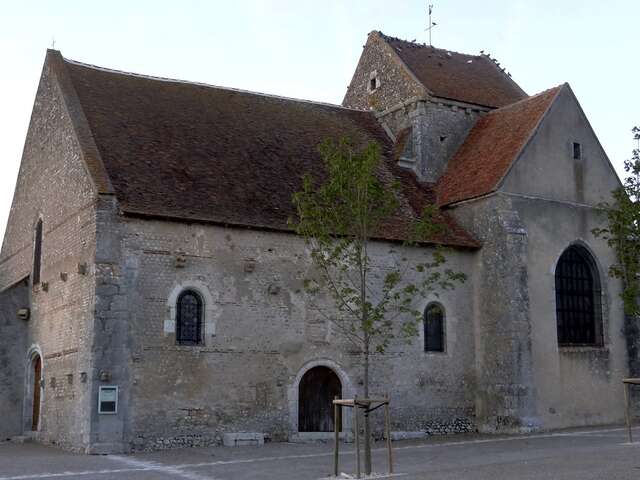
151,286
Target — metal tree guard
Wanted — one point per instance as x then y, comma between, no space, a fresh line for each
368,405
627,382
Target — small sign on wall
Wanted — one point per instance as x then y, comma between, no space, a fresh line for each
108,400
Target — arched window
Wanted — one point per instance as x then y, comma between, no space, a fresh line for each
189,318
37,253
578,301
434,328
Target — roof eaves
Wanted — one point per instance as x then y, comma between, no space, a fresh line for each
463,104
468,243
473,198
90,153
14,283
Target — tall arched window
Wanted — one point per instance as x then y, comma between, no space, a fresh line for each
37,253
434,328
189,318
578,300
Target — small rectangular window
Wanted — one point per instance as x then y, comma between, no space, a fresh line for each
108,400
374,81
577,151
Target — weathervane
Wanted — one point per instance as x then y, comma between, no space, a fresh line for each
431,24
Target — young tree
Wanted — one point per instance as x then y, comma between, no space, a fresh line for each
623,236
339,218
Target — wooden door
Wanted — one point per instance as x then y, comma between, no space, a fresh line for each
317,389
37,373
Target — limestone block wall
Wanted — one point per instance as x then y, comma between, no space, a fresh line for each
53,186
395,83
557,197
575,385
13,364
506,391
525,380
438,128
260,338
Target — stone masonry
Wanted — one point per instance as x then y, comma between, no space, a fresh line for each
103,317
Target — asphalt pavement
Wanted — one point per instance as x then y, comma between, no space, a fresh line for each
595,453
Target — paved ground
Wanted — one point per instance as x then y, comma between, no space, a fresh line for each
578,454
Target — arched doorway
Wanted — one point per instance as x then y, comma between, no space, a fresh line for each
316,391
36,365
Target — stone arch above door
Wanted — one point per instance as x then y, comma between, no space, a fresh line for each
348,391
316,391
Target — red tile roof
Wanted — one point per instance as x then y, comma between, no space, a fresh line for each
472,79
493,144
193,152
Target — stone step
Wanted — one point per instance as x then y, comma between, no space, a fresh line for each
21,439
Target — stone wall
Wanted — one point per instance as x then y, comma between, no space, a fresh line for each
557,197
505,397
574,385
525,380
547,201
13,361
437,129
438,126
262,336
53,185
396,84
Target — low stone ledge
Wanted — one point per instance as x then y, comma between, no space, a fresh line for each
21,439
400,435
241,439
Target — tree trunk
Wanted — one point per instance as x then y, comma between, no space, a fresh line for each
367,427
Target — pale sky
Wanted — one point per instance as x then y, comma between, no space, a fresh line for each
309,49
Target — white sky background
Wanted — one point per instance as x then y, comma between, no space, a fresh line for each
309,49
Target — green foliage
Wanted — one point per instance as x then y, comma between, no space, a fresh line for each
338,217
623,231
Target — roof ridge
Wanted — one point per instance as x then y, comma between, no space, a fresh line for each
424,45
444,73
526,99
208,85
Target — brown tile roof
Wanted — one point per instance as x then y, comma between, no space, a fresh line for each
187,151
493,144
472,79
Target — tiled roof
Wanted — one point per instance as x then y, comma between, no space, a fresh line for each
187,151
493,144
472,79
